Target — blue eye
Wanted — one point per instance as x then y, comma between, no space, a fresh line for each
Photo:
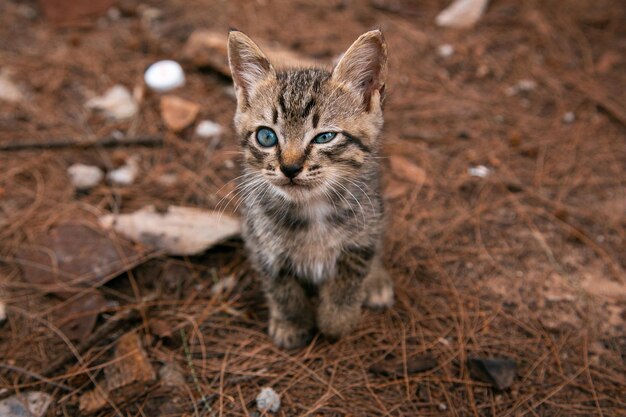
324,137
266,137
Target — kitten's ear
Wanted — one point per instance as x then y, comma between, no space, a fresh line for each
364,66
248,64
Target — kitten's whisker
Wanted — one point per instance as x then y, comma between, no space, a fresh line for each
344,199
355,199
244,186
362,190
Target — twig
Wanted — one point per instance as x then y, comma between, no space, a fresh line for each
107,142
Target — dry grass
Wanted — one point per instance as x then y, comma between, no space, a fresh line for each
527,263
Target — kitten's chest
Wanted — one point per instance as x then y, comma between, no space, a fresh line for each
314,247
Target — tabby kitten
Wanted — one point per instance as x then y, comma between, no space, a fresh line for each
313,214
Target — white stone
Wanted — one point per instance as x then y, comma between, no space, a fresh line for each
268,400
569,117
208,129
8,90
446,50
462,13
31,404
126,174
164,76
117,103
479,171
84,176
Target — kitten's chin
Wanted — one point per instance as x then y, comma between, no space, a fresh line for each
297,193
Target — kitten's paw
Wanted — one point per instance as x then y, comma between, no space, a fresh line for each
378,289
288,335
336,321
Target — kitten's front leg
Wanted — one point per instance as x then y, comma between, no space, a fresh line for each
341,296
292,318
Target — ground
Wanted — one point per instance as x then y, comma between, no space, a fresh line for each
527,262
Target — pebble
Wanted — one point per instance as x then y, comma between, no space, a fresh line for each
479,171
117,103
8,90
268,400
569,117
446,50
126,174
85,177
524,85
208,129
29,404
164,76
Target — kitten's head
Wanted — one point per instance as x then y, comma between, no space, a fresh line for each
306,132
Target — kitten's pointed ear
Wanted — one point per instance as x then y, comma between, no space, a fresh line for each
364,66
248,64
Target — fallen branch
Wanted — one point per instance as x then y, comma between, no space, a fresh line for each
107,142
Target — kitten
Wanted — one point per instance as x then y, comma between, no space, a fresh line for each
313,214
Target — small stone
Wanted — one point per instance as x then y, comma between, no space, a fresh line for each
268,400
85,177
442,407
445,51
569,117
522,86
208,129
8,90
462,13
178,113
164,76
223,285
30,404
117,103
480,171
126,174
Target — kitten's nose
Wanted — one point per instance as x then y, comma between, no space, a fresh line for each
291,171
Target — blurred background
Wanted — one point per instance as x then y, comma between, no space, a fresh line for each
504,174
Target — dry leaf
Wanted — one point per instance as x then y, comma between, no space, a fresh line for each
178,231
178,113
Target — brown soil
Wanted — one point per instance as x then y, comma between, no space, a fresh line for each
527,263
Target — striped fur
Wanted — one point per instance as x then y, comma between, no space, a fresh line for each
315,238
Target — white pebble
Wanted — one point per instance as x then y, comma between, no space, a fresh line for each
126,174
117,103
569,117
208,129
84,176
164,76
442,407
446,50
268,400
479,171
524,85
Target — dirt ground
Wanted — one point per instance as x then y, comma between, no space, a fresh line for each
527,262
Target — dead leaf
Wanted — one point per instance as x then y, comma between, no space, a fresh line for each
396,189
78,317
178,113
131,363
130,369
72,256
499,372
394,367
205,48
404,169
178,231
